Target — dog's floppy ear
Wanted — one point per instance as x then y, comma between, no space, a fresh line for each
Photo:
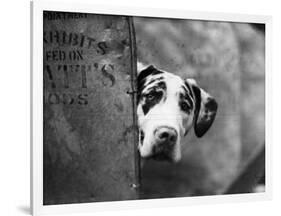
144,71
205,109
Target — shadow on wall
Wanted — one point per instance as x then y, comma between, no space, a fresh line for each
226,59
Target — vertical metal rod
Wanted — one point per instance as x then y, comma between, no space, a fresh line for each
133,50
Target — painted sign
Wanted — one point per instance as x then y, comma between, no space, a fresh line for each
89,137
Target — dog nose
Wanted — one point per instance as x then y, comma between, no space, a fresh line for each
166,134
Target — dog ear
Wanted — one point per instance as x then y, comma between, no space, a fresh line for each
145,71
205,109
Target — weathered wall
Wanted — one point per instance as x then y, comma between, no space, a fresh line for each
88,124
227,60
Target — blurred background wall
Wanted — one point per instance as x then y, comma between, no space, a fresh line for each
228,61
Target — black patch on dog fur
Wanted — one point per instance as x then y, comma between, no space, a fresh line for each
189,89
197,94
185,102
151,102
151,70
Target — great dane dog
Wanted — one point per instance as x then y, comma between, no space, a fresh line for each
168,107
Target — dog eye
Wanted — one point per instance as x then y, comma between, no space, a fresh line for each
184,106
150,96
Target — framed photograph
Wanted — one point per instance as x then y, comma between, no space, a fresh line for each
146,107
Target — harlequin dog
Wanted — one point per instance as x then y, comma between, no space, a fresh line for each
168,107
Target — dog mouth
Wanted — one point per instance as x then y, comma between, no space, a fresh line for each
161,156
161,152
141,137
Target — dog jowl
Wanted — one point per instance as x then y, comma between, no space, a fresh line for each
168,107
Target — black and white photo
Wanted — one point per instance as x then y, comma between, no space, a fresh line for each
137,107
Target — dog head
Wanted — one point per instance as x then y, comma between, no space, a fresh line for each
168,107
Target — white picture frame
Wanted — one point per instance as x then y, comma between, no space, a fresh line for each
37,8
